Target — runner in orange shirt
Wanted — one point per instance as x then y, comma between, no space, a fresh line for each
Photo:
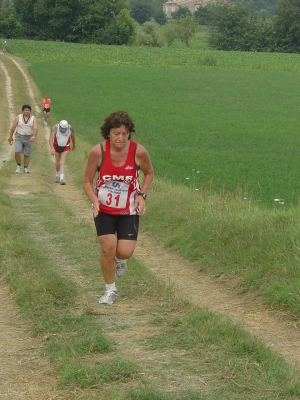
46,108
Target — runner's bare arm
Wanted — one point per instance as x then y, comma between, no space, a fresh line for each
13,128
73,137
94,160
51,137
143,160
35,130
35,127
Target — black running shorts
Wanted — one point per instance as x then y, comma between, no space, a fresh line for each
125,226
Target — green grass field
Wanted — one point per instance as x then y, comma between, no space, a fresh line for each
232,124
226,134
234,120
236,128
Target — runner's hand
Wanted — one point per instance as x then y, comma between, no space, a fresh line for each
96,209
140,205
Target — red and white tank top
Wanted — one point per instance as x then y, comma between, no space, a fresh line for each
62,138
117,187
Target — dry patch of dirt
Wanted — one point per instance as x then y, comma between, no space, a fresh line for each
23,373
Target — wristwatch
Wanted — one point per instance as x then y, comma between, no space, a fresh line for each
144,196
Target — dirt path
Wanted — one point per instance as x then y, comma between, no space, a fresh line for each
215,294
24,374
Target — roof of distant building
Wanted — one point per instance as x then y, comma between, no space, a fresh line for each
183,2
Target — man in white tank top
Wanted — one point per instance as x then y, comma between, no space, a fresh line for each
25,128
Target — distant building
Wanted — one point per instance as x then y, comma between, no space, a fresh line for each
173,5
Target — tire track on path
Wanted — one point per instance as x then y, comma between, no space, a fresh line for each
23,373
7,150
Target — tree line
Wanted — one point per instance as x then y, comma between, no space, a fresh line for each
77,21
232,25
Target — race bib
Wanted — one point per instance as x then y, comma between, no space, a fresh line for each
114,194
62,140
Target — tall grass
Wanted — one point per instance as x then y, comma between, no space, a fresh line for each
226,233
197,334
55,52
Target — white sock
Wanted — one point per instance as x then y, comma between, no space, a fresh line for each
61,177
58,174
119,259
111,286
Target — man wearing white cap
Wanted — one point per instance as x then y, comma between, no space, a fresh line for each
60,143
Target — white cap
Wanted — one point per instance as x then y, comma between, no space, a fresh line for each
63,125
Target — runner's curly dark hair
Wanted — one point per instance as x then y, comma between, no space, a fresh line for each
26,106
115,120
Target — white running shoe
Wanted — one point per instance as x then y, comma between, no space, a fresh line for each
57,179
121,268
108,297
62,182
18,169
26,170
